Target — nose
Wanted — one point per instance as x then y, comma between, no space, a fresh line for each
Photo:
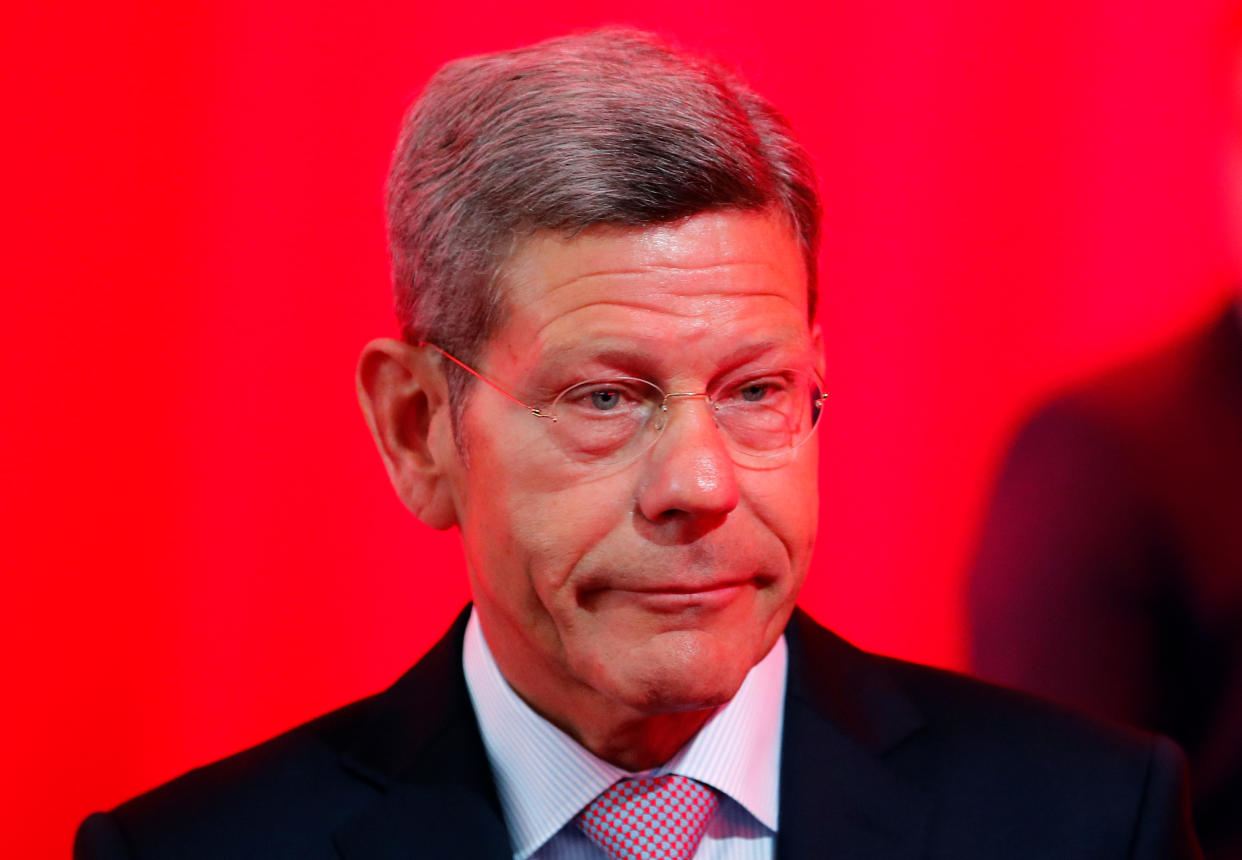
689,474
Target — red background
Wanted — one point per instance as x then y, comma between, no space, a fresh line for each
199,544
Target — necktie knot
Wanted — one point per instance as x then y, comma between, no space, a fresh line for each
650,817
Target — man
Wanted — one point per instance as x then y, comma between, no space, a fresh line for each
604,255
1109,572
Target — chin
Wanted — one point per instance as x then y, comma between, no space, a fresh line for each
677,672
670,699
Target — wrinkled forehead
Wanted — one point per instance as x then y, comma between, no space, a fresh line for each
702,241
707,282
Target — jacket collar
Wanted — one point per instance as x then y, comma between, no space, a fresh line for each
843,714
421,746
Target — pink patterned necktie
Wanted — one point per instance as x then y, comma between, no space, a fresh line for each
649,818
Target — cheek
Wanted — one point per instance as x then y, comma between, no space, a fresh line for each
534,523
787,502
557,527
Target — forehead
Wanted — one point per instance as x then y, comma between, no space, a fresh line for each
702,281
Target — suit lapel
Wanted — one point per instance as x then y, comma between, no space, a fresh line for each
839,798
422,748
426,821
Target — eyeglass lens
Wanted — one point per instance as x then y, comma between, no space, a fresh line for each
612,420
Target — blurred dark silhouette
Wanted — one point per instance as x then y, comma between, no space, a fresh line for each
1109,574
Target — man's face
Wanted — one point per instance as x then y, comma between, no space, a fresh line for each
653,586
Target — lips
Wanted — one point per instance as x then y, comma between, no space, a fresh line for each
679,582
686,588
667,598
677,602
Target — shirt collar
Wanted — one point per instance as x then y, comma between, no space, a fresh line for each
545,778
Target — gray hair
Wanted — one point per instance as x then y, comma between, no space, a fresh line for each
612,127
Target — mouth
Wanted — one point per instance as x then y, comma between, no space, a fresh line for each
671,598
689,588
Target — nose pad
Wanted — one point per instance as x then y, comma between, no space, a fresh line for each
690,476
716,445
663,418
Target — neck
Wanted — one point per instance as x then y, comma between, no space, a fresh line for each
642,744
630,738
635,730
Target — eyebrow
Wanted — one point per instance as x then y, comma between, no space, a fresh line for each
633,357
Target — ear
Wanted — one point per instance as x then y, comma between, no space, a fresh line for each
817,345
404,399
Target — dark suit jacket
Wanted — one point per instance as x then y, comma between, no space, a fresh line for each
1109,572
881,759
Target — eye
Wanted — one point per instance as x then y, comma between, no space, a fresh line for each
767,389
605,399
753,392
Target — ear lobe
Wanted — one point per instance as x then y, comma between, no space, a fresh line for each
404,399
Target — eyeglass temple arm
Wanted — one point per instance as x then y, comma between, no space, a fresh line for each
532,409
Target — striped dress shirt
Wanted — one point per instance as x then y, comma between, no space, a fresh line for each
545,778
